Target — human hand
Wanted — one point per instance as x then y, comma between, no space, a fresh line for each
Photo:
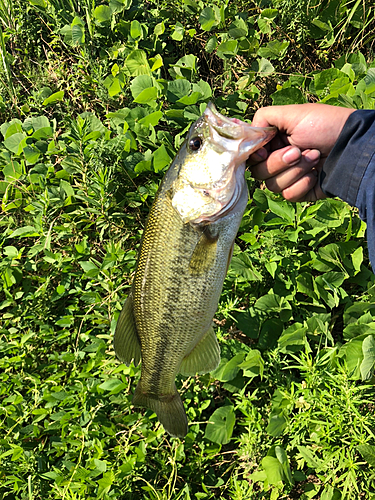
290,164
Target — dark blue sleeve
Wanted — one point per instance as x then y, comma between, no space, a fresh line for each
349,171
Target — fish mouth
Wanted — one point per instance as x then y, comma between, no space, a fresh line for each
231,141
250,138
243,139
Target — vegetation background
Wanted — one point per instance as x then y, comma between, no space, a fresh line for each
95,99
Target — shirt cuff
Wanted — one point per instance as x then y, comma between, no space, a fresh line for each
347,163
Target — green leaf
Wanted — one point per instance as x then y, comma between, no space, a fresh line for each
140,84
242,268
12,171
178,33
78,35
368,453
227,49
211,44
161,158
147,96
135,29
274,49
253,365
15,143
31,154
113,385
283,209
276,425
274,470
368,363
265,68
289,95
57,96
229,370
136,63
370,81
23,232
208,18
220,426
293,339
178,89
102,14
238,28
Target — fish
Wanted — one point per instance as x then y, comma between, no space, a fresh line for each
185,251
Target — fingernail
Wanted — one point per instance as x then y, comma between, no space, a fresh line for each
292,155
261,154
312,156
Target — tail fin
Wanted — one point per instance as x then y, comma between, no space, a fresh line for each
169,409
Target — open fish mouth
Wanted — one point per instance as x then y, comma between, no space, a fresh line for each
212,180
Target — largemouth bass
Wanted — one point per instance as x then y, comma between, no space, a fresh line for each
185,252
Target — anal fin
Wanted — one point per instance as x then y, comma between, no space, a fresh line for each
205,356
125,342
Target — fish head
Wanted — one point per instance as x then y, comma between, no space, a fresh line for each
212,164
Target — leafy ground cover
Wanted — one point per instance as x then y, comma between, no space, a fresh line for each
95,98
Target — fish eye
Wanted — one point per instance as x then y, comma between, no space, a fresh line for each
195,143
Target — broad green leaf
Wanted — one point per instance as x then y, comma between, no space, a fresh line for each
368,363
147,96
242,268
151,119
159,29
211,44
283,209
78,35
368,453
112,384
31,154
227,49
229,370
178,33
253,365
140,84
13,127
12,171
293,339
177,89
208,18
136,63
270,14
265,68
357,258
370,81
353,354
57,96
135,29
273,469
324,79
23,232
15,142
289,95
220,426
102,13
276,425
238,28
274,49
161,158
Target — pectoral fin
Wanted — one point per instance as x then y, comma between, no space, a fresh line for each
204,255
204,358
126,343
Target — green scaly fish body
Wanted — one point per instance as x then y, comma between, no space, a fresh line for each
183,260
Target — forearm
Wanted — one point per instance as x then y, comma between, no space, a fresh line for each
349,171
